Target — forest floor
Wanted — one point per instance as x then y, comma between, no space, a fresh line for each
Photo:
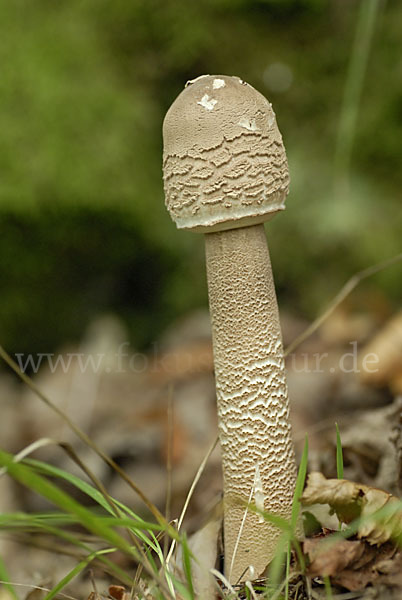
141,408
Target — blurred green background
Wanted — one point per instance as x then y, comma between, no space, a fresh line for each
84,87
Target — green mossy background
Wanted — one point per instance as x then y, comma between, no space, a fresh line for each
84,87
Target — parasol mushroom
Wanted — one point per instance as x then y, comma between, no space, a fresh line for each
225,173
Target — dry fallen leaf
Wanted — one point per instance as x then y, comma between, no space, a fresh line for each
352,564
204,545
385,352
40,590
371,447
118,592
352,500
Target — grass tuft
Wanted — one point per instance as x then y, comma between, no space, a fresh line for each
339,454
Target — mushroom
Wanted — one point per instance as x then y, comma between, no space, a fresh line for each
225,173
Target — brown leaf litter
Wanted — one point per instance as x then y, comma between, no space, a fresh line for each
371,556
351,500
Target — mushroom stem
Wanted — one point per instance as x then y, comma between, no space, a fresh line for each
253,410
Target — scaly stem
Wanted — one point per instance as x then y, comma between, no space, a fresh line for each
255,434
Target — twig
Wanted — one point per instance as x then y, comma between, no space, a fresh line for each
340,296
190,493
81,435
170,426
239,534
37,587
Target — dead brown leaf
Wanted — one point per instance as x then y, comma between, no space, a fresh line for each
118,592
39,591
352,500
204,545
386,351
352,564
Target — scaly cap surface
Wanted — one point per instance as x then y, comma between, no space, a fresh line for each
224,161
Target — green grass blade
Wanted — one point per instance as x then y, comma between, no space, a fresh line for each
300,481
287,571
187,565
5,580
142,529
82,435
74,572
26,476
328,589
277,564
183,591
279,522
300,555
34,523
288,529
49,470
49,521
353,88
20,520
135,526
339,454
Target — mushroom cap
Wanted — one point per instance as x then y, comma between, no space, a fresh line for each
224,162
